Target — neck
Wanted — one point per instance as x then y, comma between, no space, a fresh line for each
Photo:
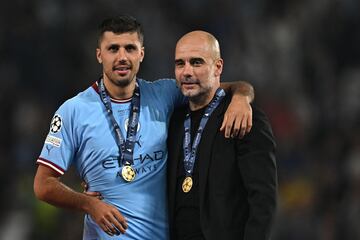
119,90
198,102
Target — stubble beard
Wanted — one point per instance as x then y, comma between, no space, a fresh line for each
198,97
124,82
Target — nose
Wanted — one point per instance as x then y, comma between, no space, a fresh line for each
187,70
122,56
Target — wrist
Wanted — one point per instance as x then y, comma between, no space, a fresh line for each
87,203
242,97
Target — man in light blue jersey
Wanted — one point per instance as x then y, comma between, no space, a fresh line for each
115,134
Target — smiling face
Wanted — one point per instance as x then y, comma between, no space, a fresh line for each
198,66
120,56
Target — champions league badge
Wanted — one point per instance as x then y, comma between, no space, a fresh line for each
187,184
128,173
56,123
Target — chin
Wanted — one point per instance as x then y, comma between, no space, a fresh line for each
189,93
123,82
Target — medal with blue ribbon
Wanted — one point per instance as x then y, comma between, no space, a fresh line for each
190,151
126,147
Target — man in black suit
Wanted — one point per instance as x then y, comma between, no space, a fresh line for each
218,188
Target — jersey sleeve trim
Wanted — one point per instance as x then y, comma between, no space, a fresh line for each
51,165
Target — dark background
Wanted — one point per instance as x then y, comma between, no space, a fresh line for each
302,56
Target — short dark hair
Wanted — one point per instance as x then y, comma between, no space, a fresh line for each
121,24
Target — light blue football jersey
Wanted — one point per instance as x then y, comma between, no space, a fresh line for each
81,133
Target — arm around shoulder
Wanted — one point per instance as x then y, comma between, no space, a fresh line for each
238,116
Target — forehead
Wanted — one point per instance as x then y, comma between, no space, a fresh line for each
193,48
120,39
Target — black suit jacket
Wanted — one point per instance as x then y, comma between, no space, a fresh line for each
237,178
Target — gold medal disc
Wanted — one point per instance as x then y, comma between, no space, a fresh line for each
128,173
187,184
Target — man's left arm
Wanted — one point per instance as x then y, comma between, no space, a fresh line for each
257,166
238,116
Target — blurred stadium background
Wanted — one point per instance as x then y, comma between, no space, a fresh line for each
302,56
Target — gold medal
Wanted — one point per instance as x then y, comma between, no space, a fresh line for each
128,173
187,184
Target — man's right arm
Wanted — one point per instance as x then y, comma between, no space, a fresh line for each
49,188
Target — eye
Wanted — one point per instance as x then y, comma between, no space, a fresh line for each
113,48
196,62
130,48
179,63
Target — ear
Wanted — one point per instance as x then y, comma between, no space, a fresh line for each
98,55
219,67
142,52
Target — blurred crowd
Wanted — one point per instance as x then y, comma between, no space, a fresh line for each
302,56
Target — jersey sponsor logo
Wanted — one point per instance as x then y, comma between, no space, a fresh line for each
116,163
154,156
54,141
141,170
56,124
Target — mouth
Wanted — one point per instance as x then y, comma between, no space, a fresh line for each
189,81
188,85
121,70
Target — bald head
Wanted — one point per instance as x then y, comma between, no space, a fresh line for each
205,40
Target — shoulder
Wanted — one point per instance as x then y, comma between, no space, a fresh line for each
260,119
80,101
163,86
163,82
261,133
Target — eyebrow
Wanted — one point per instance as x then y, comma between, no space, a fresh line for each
111,45
178,61
196,59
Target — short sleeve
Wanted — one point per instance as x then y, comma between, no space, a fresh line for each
59,146
171,92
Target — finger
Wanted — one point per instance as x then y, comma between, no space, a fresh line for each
249,123
222,128
112,229
106,229
109,223
236,128
229,126
242,129
119,222
94,194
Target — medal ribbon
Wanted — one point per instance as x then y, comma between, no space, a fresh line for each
190,151
126,148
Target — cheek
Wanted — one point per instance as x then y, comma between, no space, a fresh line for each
136,60
177,73
201,74
107,65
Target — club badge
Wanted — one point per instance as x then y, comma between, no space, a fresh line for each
128,173
187,184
